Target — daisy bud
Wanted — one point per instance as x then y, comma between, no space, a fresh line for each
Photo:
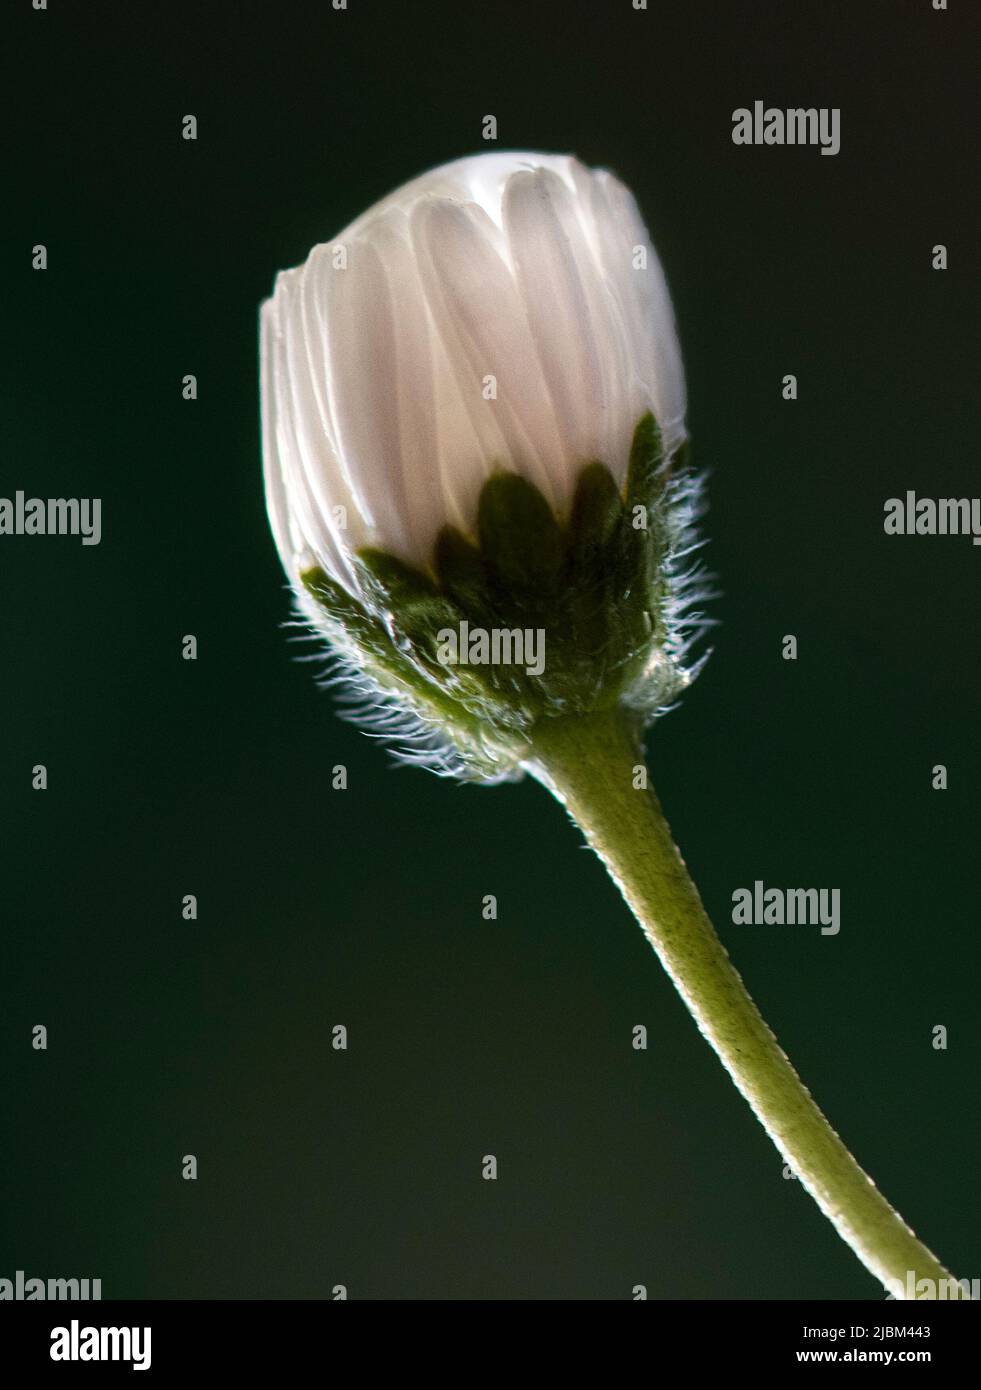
473,430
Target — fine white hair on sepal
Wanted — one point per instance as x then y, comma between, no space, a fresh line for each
386,715
675,660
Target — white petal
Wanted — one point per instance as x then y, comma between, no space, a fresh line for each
277,502
577,353
514,265
328,482
476,178
362,356
418,417
311,536
645,304
481,321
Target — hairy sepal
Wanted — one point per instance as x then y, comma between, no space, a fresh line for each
608,587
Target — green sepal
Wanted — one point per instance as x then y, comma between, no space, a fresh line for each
359,635
589,593
390,580
597,511
461,572
646,476
520,538
415,612
641,577
596,583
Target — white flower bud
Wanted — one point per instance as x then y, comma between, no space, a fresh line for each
473,411
528,270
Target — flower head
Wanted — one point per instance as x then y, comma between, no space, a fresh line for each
473,402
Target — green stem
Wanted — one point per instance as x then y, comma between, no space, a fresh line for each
590,763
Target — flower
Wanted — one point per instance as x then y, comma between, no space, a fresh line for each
437,384
473,426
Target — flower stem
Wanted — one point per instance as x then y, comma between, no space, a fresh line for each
590,763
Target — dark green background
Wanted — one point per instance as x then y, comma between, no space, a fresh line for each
363,907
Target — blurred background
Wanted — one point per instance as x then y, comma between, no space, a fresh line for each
363,907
